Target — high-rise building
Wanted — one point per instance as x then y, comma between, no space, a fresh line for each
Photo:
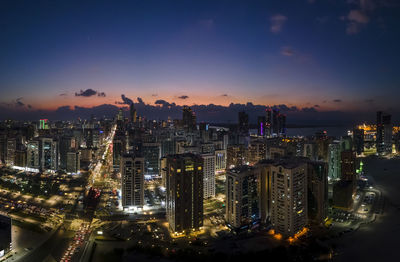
348,166
243,119
261,125
289,197
256,151
236,155
184,186
20,158
10,153
268,123
189,119
152,154
5,236
275,121
119,148
358,139
208,175
317,201
66,143
242,198
73,164
220,159
282,124
48,154
334,161
132,181
32,157
384,133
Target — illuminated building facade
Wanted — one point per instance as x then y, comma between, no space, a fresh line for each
73,164
236,155
289,197
256,151
32,156
242,198
184,197
208,175
189,119
48,154
132,181
317,197
151,153
220,159
334,161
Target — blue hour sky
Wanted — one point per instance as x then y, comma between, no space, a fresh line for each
325,54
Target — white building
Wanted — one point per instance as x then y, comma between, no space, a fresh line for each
208,175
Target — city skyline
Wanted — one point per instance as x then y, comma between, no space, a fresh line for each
335,58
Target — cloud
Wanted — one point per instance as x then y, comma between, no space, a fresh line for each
19,103
224,95
337,100
211,113
164,103
140,100
316,106
359,15
183,97
277,22
154,95
15,104
287,51
369,100
125,101
63,94
90,92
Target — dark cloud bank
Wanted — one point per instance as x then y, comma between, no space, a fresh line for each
209,113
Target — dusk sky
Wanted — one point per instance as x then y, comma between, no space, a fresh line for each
327,55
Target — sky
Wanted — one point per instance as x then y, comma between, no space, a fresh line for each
320,55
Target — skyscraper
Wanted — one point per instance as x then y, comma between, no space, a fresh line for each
261,125
152,154
317,196
208,175
73,163
242,198
289,197
268,123
32,157
358,138
184,185
243,122
188,119
275,121
132,181
384,133
334,161
48,154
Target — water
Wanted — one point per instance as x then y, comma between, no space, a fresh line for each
335,131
